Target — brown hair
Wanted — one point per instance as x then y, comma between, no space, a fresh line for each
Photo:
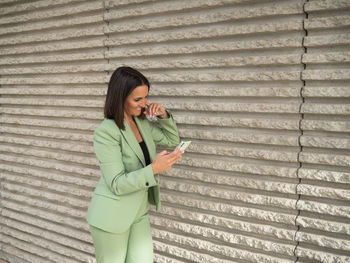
123,81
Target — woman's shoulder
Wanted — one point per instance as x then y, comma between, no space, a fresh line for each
108,126
108,123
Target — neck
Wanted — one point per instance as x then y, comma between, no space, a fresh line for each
128,117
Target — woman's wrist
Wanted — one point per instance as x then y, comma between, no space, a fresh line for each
163,116
154,169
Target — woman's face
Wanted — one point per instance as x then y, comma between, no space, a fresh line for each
136,101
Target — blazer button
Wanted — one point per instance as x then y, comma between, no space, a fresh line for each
147,184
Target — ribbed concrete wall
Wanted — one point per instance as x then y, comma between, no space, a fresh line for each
323,204
261,87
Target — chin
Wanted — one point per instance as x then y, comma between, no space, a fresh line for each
137,113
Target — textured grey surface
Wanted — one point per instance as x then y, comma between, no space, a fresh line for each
261,87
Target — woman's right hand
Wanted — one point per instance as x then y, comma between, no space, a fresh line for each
164,161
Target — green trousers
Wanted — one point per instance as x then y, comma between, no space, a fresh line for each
133,246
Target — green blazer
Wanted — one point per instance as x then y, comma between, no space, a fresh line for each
125,176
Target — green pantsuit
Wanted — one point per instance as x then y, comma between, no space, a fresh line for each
118,211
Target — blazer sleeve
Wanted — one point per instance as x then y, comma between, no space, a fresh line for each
167,134
109,155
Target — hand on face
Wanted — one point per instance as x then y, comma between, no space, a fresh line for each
156,109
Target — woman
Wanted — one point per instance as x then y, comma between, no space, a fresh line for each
125,145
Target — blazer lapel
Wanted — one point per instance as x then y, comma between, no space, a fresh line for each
131,140
146,137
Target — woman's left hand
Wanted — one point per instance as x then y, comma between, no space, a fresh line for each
156,109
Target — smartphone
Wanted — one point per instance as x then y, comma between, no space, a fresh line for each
183,145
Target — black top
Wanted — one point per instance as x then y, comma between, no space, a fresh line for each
145,152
